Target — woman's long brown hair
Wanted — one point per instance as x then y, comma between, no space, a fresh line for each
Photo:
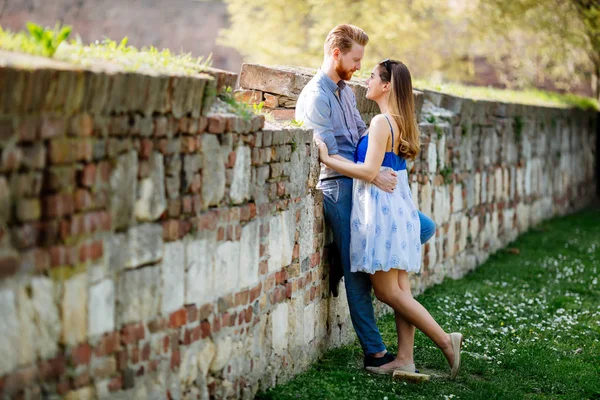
401,106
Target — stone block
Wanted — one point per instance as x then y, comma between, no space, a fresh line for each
138,294
101,308
123,184
200,271
151,201
279,328
249,254
281,81
281,240
9,332
213,171
223,353
173,277
242,179
309,323
48,325
144,245
74,310
227,261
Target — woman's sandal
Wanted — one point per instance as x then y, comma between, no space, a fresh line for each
456,340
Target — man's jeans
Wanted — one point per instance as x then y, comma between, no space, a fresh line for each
337,198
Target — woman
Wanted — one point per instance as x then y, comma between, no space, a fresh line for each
385,226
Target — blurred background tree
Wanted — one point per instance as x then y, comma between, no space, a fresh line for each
551,44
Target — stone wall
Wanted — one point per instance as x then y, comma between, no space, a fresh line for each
152,247
487,170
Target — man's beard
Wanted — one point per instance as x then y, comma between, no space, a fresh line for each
342,72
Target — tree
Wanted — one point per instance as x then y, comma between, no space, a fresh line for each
535,40
293,32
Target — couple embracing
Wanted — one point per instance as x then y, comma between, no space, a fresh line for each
367,199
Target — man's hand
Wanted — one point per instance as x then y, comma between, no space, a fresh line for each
386,181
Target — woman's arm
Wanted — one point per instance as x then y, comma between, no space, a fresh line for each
378,138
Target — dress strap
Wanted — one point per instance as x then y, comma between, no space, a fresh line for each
392,129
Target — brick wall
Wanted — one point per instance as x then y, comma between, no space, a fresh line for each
153,248
149,247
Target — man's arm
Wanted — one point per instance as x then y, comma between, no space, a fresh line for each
317,116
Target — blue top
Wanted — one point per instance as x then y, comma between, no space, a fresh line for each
390,159
329,109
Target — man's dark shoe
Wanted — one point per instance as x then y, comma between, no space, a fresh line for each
371,361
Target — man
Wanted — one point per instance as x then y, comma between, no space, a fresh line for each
328,106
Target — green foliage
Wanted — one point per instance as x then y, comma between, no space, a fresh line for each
439,131
257,108
239,108
529,96
430,119
530,320
446,173
518,128
465,130
296,123
39,40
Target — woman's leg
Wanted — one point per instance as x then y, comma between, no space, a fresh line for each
389,291
406,330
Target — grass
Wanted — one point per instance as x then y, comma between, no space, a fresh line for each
530,96
52,43
531,323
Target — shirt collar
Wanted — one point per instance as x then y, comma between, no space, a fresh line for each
329,83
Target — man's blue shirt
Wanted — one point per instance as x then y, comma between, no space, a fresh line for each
335,120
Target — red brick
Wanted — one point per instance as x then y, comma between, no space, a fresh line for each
281,277
249,313
9,265
20,379
132,333
178,318
82,125
209,221
51,370
175,359
205,311
62,255
192,313
28,129
166,344
146,352
91,251
81,355
221,234
135,355
80,380
255,292
115,383
315,259
87,175
216,326
58,205
108,344
83,200
170,230
241,298
217,124
52,127
158,325
288,290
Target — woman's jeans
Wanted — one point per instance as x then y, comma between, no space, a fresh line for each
337,199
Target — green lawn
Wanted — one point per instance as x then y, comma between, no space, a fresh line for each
531,323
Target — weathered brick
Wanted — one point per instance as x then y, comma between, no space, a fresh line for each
178,318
